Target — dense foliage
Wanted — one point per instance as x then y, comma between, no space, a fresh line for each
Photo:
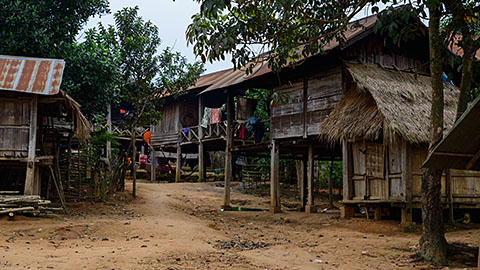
145,75
43,28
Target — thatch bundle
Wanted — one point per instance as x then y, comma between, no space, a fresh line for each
387,102
82,126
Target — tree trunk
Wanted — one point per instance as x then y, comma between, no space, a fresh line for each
134,156
433,245
466,82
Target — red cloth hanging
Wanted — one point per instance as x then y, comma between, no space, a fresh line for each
215,116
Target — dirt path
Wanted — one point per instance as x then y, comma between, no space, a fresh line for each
179,226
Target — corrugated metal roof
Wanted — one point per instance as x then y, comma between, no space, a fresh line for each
461,144
232,77
31,75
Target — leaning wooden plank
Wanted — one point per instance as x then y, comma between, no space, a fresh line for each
20,209
58,186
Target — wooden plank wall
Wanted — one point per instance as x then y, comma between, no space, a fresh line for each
372,50
377,170
14,124
166,131
324,90
465,183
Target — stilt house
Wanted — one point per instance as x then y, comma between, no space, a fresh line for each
383,120
36,117
312,92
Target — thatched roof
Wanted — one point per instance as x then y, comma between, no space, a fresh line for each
82,126
386,102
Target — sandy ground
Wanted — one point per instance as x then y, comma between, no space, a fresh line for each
180,226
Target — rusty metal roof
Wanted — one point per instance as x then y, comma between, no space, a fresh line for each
31,75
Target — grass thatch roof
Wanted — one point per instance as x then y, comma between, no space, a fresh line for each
386,102
82,126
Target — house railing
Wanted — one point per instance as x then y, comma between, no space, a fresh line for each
212,131
127,132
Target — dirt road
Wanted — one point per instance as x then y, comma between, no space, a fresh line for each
179,226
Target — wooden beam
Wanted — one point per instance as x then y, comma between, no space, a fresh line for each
305,100
449,191
153,163
473,161
310,207
447,154
201,150
178,163
346,175
32,144
228,152
303,181
478,263
14,127
275,206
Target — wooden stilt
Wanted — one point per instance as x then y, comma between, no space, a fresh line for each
406,217
59,188
378,213
178,163
275,206
37,181
310,207
32,144
347,211
201,153
228,153
153,163
478,263
346,170
448,187
303,182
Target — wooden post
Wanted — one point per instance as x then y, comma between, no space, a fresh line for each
153,163
478,263
178,162
37,181
347,211
406,217
228,154
32,144
302,175
378,213
201,153
109,130
449,190
310,207
275,206
346,162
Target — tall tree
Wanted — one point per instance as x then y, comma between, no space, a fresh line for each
287,30
147,76
41,28
45,28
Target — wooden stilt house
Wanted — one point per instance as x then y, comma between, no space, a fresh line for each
311,93
36,117
383,121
